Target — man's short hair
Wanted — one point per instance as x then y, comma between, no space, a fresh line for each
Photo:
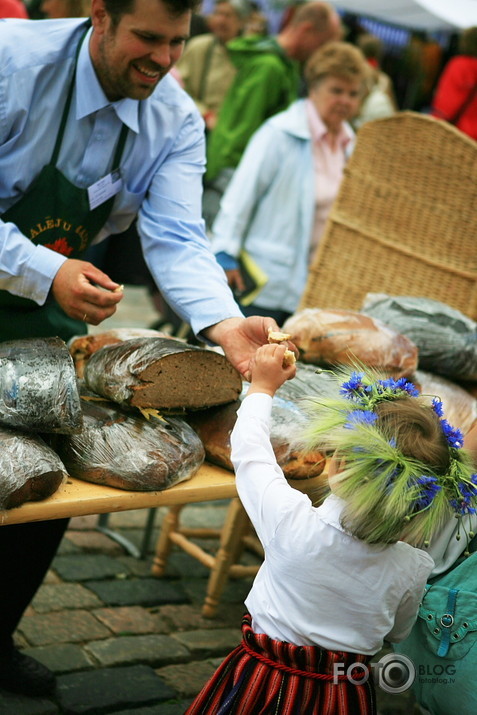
117,8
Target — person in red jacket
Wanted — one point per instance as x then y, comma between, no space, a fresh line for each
13,8
455,99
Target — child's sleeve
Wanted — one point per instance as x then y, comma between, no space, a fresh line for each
265,493
408,608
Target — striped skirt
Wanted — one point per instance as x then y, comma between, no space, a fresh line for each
263,676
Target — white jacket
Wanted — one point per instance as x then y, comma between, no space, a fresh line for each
268,207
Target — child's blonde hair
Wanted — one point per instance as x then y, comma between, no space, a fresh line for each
404,470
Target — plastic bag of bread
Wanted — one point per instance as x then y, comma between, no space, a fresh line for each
333,336
81,347
445,338
29,469
162,373
38,387
215,425
460,407
127,451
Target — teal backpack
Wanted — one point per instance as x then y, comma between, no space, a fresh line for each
442,643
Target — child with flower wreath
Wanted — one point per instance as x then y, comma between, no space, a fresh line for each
340,578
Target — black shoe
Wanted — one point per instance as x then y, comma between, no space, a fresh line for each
21,674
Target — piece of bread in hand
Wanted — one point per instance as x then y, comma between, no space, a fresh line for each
289,358
275,336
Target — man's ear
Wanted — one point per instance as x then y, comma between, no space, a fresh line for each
99,16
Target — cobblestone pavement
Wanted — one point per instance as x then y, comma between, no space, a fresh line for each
120,640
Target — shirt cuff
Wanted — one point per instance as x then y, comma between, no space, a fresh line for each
43,265
228,262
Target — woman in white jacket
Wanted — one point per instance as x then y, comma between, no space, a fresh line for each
277,203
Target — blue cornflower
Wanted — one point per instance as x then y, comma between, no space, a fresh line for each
438,407
453,435
353,385
395,386
467,490
360,417
427,494
462,506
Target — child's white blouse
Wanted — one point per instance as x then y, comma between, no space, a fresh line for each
318,585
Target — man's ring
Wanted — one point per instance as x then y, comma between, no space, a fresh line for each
85,318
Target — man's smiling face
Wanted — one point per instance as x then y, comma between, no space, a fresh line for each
131,58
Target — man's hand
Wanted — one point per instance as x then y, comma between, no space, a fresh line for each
84,292
268,369
241,337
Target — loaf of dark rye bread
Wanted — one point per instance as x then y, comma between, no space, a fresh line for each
29,469
334,336
38,387
126,451
82,347
215,425
162,373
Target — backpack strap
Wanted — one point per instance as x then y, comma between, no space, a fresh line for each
447,621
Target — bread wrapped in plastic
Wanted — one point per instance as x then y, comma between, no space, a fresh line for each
29,469
81,347
445,338
460,407
38,386
162,373
129,452
215,425
333,336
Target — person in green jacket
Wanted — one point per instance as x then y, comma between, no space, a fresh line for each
267,81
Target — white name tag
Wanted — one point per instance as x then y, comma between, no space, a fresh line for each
102,190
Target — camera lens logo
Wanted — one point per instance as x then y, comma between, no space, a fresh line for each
396,673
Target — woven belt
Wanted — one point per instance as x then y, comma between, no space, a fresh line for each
297,671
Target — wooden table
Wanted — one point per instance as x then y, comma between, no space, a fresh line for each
78,498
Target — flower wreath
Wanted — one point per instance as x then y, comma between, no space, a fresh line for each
396,496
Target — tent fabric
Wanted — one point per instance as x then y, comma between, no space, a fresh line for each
430,15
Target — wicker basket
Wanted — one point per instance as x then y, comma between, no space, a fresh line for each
405,219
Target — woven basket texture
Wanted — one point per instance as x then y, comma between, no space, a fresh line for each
405,219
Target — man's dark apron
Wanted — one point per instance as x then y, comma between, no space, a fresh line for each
54,213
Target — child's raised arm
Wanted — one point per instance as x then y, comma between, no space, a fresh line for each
269,371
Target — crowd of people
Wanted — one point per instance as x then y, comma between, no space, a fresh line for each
261,126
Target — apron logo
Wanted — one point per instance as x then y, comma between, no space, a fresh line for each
61,245
74,239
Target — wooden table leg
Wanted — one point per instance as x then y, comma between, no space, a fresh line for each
236,526
164,544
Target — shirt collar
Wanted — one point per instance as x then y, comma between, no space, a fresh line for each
319,130
91,97
330,511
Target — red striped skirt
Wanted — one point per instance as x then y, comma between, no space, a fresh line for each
263,676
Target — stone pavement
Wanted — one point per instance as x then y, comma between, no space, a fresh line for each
120,640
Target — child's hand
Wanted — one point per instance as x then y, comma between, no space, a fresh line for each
268,370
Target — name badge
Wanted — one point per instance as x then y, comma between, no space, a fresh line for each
104,189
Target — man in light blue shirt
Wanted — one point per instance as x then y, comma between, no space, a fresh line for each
93,131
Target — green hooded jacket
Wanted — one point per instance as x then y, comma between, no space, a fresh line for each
266,83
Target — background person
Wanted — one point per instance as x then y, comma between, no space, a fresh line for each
205,67
455,98
89,107
280,195
267,81
13,8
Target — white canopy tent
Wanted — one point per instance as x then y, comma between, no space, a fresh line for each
430,15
